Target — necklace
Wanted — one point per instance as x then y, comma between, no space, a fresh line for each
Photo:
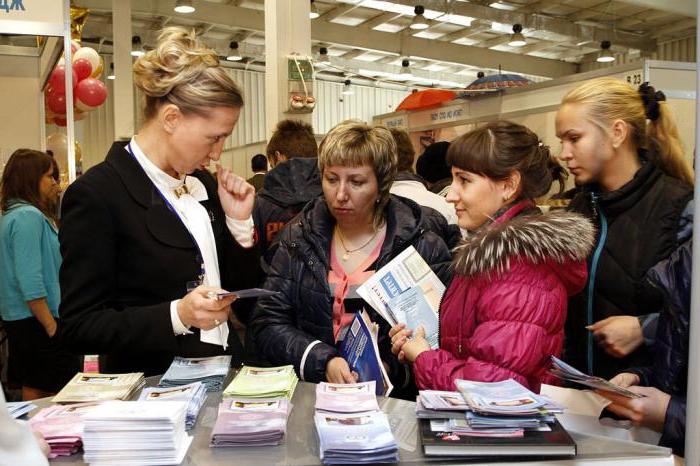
346,256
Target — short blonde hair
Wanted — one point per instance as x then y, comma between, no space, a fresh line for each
183,71
354,143
608,99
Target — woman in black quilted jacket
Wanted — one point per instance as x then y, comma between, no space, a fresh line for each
336,243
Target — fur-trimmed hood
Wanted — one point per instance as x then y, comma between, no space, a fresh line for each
557,237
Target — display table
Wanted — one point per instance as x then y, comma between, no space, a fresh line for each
300,446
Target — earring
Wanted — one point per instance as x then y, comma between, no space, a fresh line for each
378,201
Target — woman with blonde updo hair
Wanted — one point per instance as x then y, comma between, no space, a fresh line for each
149,235
622,147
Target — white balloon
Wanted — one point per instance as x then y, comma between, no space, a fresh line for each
89,54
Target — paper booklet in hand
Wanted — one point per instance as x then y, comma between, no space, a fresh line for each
407,291
359,348
566,372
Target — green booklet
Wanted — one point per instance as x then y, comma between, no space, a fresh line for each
263,382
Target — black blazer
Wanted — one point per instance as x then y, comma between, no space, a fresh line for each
126,256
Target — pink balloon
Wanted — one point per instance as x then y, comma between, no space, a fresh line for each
57,103
90,93
82,68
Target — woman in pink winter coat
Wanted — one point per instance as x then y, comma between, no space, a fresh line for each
503,314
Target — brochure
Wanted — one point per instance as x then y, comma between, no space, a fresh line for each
566,372
359,348
405,271
358,438
505,397
193,394
92,386
263,382
210,371
346,398
411,308
251,422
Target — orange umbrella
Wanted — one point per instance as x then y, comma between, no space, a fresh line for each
426,99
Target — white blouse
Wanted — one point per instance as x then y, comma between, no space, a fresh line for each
196,219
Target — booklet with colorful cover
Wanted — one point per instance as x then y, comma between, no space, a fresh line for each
248,422
211,371
263,382
62,426
85,387
18,409
506,397
359,348
346,398
357,438
443,400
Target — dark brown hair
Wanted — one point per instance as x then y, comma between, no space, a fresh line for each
499,148
292,138
21,177
405,150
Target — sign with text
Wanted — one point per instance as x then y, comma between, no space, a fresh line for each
446,114
40,17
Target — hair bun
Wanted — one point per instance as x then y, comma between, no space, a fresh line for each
651,98
179,57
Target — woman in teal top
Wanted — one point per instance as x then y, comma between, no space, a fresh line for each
29,263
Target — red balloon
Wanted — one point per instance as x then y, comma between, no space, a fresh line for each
82,68
60,121
58,79
57,103
50,90
90,93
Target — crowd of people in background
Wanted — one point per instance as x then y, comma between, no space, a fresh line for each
147,235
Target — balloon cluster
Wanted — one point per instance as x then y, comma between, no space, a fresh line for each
88,91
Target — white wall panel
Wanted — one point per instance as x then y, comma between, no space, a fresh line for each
673,50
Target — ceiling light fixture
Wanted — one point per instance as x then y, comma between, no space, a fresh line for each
405,69
517,39
111,71
605,55
233,54
136,47
419,22
184,6
323,58
313,11
347,89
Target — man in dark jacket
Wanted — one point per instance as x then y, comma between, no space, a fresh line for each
664,384
293,181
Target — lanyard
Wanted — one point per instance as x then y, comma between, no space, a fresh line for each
200,256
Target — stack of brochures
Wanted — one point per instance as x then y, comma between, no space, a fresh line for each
571,374
500,419
246,422
136,433
263,382
62,427
347,435
92,386
193,394
210,371
406,291
358,346
18,409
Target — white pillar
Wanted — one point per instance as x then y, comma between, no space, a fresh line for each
287,30
70,125
123,83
